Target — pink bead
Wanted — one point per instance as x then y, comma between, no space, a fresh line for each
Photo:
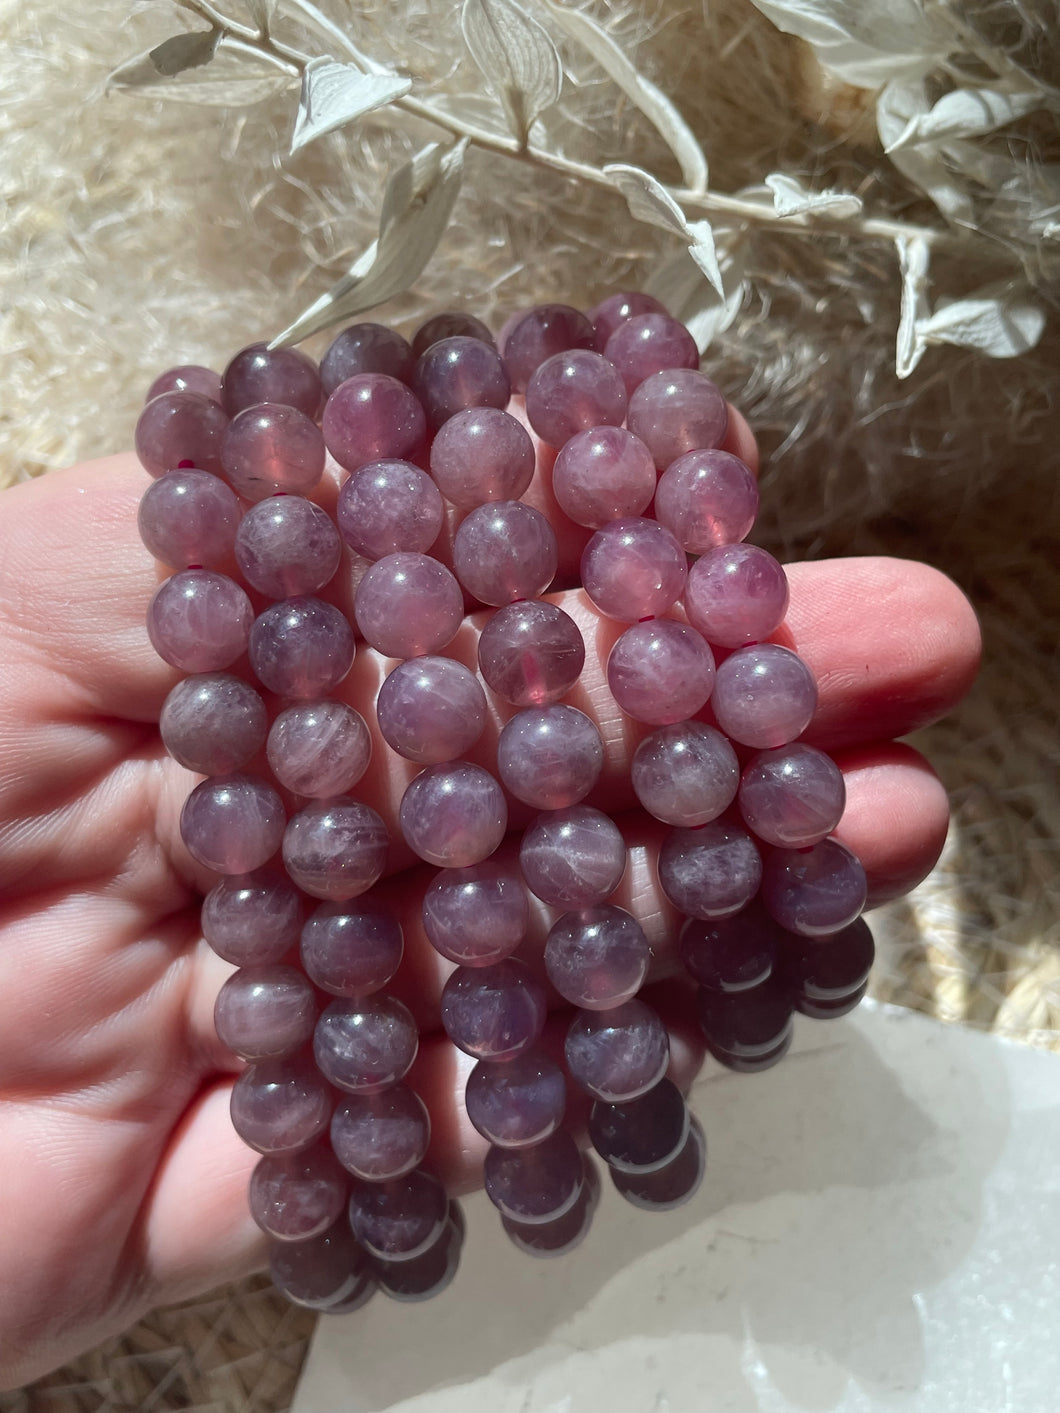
189,517
531,653
287,546
456,374
707,498
539,334
351,949
180,427
453,815
597,958
366,348
572,392
296,1196
647,344
213,723
685,774
480,455
252,919
660,672
602,475
612,312
270,448
265,1011
449,325
187,377
389,506
736,594
319,749
573,858
232,823
633,569
431,709
764,696
372,417
335,849
505,551
677,411
550,757
301,648
407,605
279,1106
792,797
282,375
475,916
713,871
199,621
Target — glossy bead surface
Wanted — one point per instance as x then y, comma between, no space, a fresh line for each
613,311
550,757
537,1183
764,696
572,392
732,953
736,594
287,546
548,1240
252,919
751,1025
827,971
407,605
540,333
335,849
431,709
660,672
232,823
792,796
265,1011
707,498
675,1183
424,1276
475,916
366,1044
643,1134
199,621
323,1273
180,427
633,569
270,448
366,348
650,343
603,474
815,891
505,551
573,858
372,417
187,377
319,749
709,872
685,774
453,815
296,1196
212,723
399,1219
389,506
597,958
301,647
456,374
382,1135
259,374
618,1054
189,517
494,1012
279,1106
518,1102
677,411
480,455
351,949
531,653
448,325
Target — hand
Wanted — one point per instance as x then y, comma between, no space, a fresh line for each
122,1184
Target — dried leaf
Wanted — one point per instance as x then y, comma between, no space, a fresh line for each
333,94
171,57
791,198
261,12
417,205
966,112
649,201
865,42
679,284
913,258
897,106
517,58
996,320
651,101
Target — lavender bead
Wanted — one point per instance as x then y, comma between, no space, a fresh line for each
573,858
547,1240
736,594
351,950
320,749
456,374
480,455
531,654
281,375
232,823
707,498
475,916
199,621
518,1102
671,1186
431,709
495,1012
180,428
407,605
603,474
619,1054
264,1012
212,724
643,1134
187,377
287,546
633,569
400,1219
647,344
372,417
535,1184
189,517
296,1196
597,958
382,1135
792,796
301,647
449,325
815,891
572,392
367,1044
612,312
323,1273
749,1029
732,953
709,872
550,757
685,774
505,551
677,411
764,696
279,1106
660,672
335,849
389,506
252,919
453,815
539,334
269,448
366,348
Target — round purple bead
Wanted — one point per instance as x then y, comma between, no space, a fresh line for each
449,325
749,1029
366,348
372,417
351,951
260,374
187,377
736,594
647,344
301,647
265,1011
212,724
826,976
424,1276
685,774
494,1012
643,1134
199,621
456,374
296,1196
482,454
572,392
764,696
320,749
633,569
537,1183
178,427
603,474
792,796
619,1054
399,1219
189,517
453,815
505,551
707,498
270,448
431,709
712,871
365,1044
547,1240
676,411
389,506
539,334
518,1102
815,891
382,1135
573,858
475,916
612,312
232,823
407,605
670,1186
252,919
287,546
550,757
531,653
328,1272
660,672
597,958
335,849
280,1105
732,953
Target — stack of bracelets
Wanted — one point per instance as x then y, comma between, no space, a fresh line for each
434,461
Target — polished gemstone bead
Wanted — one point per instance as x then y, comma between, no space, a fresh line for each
212,723
518,1102
814,891
269,448
373,417
323,1273
573,858
366,348
618,1054
709,872
572,392
685,774
482,454
707,498
539,334
178,427
764,696
545,1240
407,605
792,796
531,654
187,377
287,546
319,749
495,1012
643,1134
613,311
670,1186
732,953
450,324
279,1106
232,823
366,1044
597,958
431,709
475,916
660,672
633,569
459,373
265,1011
351,949
550,757
301,647
260,374
736,594
505,551
749,1029
389,506
401,1218
537,1183
252,919
335,849
199,621
677,411
826,976
603,474
453,815
381,1135
296,1196
189,517
423,1276
647,344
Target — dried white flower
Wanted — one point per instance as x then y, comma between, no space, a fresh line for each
517,59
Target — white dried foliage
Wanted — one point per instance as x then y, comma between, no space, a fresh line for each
791,198
865,42
966,112
517,59
649,201
335,94
914,257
